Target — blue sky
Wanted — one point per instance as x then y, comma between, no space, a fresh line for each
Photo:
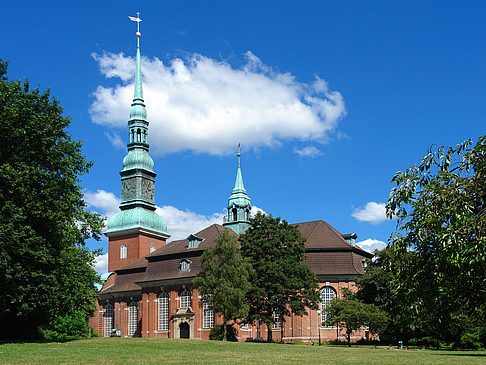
328,98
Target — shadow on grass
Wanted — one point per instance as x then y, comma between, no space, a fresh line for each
26,341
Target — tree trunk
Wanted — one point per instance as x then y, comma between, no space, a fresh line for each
225,337
269,332
348,335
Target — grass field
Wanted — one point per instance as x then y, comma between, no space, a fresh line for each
169,351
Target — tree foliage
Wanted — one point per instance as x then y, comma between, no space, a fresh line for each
45,269
223,281
280,282
380,286
352,314
440,207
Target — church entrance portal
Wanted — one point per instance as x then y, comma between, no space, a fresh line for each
184,330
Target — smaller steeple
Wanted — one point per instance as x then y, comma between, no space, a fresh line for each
239,207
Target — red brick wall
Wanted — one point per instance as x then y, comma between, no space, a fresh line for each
138,246
300,328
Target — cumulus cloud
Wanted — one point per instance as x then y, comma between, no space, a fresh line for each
308,151
180,223
101,264
104,202
371,245
373,213
207,106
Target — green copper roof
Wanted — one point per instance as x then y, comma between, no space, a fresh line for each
138,93
138,159
138,177
137,217
239,196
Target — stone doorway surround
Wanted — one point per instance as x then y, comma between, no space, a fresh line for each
183,315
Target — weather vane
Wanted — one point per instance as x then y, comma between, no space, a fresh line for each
138,20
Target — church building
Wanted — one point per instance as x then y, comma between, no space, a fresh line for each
148,291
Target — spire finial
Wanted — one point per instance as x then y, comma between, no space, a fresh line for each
138,20
239,154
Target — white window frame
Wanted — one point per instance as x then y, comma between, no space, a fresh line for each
152,248
185,299
276,321
123,251
163,312
185,265
208,314
327,294
108,320
132,319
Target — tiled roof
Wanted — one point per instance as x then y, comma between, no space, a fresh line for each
327,253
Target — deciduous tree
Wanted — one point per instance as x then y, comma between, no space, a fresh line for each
352,314
223,281
280,283
440,207
45,269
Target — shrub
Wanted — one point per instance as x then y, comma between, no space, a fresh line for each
69,327
471,341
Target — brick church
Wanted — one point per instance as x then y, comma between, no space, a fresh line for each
148,290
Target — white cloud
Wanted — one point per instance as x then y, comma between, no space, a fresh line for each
255,210
205,105
371,245
104,202
373,213
101,264
180,223
308,151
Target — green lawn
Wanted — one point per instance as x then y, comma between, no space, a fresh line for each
163,351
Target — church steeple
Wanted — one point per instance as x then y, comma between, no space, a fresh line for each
239,208
137,205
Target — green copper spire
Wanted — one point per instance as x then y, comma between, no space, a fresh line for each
239,206
137,177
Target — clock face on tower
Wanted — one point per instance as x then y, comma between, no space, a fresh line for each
148,189
128,188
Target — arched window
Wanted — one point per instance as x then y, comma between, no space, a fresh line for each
208,313
185,299
185,265
108,320
152,248
163,312
327,294
123,251
235,214
132,319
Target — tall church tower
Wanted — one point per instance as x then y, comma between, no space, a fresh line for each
136,230
239,208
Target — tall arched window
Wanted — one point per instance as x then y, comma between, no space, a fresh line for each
123,251
276,321
327,294
163,312
132,319
185,299
235,214
208,313
108,320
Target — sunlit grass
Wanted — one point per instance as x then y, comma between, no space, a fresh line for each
170,351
